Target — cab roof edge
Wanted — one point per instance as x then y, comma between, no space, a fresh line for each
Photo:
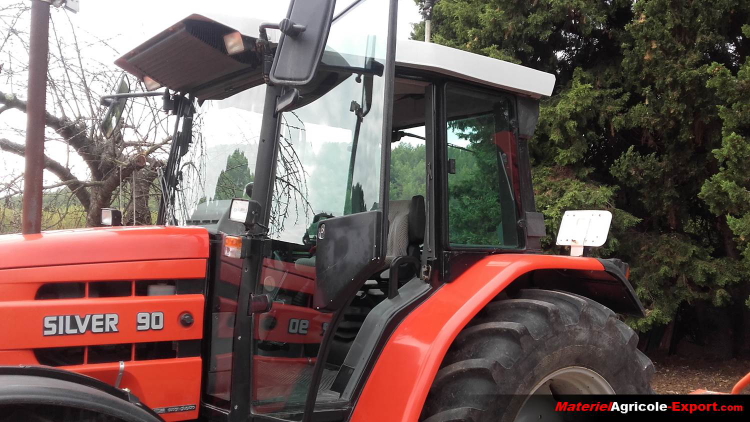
474,68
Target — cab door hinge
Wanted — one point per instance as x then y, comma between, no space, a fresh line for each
426,271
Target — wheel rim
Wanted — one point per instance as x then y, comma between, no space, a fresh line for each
573,380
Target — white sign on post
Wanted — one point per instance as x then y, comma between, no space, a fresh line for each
583,228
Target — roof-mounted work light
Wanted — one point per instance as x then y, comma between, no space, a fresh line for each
235,43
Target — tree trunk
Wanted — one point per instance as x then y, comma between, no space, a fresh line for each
141,190
99,200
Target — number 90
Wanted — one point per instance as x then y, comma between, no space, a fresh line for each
150,321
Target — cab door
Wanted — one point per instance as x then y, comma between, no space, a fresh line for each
325,193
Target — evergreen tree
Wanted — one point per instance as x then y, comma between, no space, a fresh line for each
407,171
232,180
633,126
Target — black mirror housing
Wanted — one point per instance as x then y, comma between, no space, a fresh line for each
349,250
116,106
303,39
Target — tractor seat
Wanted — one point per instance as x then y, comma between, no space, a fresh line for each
406,221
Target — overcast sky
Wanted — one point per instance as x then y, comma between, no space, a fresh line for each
126,24
132,22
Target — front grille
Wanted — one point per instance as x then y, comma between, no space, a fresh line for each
78,355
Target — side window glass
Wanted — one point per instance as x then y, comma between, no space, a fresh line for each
481,152
408,166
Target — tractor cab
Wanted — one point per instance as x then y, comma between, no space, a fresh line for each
336,200
363,245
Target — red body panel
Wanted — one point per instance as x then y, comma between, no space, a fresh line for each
156,381
124,254
409,361
23,283
288,276
26,329
104,244
283,314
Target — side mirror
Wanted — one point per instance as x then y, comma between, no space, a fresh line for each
349,250
303,39
116,107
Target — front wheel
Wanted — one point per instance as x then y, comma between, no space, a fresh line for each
518,354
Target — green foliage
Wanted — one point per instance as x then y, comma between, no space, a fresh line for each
474,210
407,171
59,211
558,191
728,191
650,119
474,203
231,182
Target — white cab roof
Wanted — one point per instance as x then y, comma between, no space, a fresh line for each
474,68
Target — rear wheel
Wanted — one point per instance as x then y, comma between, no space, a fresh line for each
518,354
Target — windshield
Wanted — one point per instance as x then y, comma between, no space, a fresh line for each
329,154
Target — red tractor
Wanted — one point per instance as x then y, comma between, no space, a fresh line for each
334,291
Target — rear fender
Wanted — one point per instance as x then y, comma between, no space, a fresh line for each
407,365
36,385
609,287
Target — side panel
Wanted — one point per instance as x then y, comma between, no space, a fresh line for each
110,317
170,387
409,361
66,322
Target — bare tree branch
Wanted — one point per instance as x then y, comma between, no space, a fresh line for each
62,172
73,132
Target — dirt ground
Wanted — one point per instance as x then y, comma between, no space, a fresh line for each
676,375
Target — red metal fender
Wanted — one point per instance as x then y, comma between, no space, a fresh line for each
410,360
738,388
742,384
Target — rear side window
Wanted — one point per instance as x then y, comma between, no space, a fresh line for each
481,152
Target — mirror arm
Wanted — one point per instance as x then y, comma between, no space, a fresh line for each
394,270
262,29
265,49
106,100
287,100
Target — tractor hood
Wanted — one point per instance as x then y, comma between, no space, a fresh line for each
102,244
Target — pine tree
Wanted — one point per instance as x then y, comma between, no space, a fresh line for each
649,119
232,180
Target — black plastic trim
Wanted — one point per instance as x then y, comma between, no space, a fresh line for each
608,286
213,287
79,391
612,268
390,82
376,331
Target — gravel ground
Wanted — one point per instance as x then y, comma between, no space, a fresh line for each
681,376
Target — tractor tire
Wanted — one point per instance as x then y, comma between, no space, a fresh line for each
541,342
